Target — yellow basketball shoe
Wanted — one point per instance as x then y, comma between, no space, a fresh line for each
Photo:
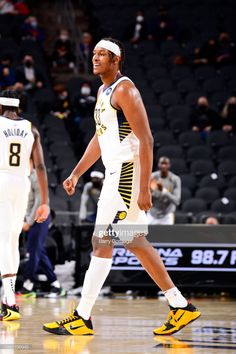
9,313
177,319
71,325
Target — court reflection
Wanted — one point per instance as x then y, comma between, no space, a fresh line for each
71,344
173,345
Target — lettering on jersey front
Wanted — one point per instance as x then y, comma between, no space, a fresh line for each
15,132
99,109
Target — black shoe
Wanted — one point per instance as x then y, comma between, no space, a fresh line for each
56,292
26,293
71,325
9,313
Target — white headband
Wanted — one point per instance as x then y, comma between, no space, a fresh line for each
111,46
11,102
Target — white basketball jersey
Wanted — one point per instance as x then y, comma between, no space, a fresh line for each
116,138
16,141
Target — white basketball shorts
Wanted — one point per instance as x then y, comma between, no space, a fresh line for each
117,206
14,192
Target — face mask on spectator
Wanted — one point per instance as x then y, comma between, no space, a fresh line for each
139,18
63,96
63,37
85,90
34,24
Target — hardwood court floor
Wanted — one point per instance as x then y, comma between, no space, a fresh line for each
122,326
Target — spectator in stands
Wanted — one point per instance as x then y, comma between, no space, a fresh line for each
228,115
211,220
55,233
7,73
226,49
63,59
22,8
90,196
28,77
166,194
37,233
137,31
7,7
163,32
207,53
61,108
84,102
86,49
203,118
63,39
30,29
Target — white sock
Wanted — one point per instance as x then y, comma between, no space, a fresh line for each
9,290
95,277
56,284
175,298
28,285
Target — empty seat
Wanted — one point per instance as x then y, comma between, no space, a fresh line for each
230,193
227,168
189,138
226,153
228,72
202,167
180,72
204,72
194,205
186,85
170,151
178,126
232,182
178,112
162,85
223,206
185,194
157,73
213,180
189,181
164,138
170,47
170,98
217,138
178,166
182,217
152,60
213,84
157,124
209,194
201,152
155,110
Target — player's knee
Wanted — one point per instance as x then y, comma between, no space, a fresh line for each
102,247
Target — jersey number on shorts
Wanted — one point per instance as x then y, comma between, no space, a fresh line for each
14,158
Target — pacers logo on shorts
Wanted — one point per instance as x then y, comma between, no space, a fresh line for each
120,215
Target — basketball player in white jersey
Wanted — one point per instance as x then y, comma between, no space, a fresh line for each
124,141
19,141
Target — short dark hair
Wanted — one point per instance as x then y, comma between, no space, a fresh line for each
121,46
10,94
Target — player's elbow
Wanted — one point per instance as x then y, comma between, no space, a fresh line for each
148,141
